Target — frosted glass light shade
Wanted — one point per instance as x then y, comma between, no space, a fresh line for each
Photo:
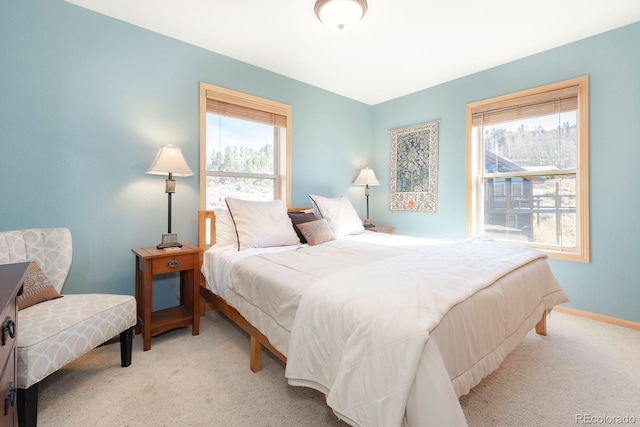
340,15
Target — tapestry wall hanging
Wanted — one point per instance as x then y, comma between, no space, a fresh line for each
414,168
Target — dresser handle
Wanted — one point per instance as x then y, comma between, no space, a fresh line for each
174,263
9,398
8,326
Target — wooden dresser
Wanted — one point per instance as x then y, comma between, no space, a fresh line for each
11,277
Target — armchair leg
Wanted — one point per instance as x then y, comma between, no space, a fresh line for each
126,347
28,406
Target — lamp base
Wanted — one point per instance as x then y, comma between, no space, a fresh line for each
367,223
169,240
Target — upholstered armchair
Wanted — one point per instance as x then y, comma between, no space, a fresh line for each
57,330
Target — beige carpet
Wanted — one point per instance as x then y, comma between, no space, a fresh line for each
582,368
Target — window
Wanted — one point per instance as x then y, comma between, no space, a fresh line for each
527,168
244,147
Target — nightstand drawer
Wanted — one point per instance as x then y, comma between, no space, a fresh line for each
176,262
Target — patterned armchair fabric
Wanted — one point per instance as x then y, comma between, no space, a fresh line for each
53,333
49,247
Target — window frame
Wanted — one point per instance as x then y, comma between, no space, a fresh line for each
475,177
282,165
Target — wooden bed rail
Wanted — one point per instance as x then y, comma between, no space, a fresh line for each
206,238
257,339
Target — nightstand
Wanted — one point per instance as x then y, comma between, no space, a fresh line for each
382,229
152,261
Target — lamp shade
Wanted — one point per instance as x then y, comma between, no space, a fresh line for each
366,177
340,15
169,160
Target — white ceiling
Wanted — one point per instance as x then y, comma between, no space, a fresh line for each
400,47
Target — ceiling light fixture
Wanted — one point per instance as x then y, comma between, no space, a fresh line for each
340,15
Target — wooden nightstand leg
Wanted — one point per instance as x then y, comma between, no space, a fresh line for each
138,290
184,289
195,294
147,307
188,297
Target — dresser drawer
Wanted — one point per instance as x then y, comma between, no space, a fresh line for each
174,263
11,278
9,327
8,393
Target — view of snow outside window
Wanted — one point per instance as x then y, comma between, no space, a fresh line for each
240,160
530,180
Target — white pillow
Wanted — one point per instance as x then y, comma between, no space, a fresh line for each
261,224
339,214
225,230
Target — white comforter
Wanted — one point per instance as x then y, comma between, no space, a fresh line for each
359,334
267,288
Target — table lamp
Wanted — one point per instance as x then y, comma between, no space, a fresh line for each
367,177
169,161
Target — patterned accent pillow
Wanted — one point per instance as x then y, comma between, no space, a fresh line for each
36,288
316,232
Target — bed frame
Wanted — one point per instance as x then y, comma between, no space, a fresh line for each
207,219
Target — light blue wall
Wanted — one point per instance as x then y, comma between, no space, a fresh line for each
610,284
86,101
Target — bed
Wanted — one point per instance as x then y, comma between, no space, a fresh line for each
325,307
